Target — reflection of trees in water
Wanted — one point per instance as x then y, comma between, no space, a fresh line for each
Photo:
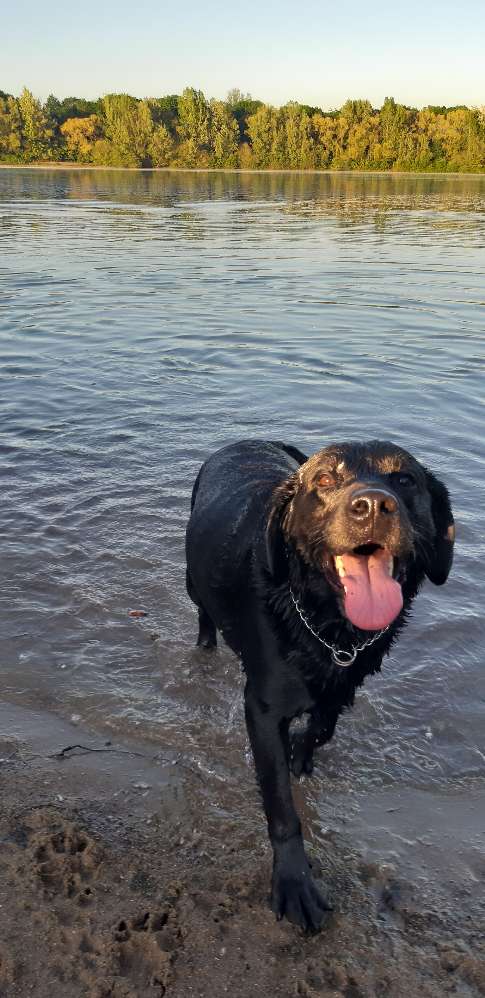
353,205
128,201
124,201
170,186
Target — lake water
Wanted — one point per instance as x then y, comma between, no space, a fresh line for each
149,318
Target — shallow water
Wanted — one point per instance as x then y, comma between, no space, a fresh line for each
148,318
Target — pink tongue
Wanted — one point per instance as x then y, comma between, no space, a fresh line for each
372,597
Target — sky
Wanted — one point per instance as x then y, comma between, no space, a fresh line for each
316,52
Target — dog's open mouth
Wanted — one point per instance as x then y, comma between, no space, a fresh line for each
372,596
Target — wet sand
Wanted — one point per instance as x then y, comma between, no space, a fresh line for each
117,881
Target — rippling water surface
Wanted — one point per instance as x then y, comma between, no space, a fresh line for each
148,318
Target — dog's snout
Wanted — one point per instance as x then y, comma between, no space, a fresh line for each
369,503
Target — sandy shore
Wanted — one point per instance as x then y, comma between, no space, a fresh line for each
65,165
116,881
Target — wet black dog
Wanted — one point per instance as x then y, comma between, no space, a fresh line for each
308,567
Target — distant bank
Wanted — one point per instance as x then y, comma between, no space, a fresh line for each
188,131
357,171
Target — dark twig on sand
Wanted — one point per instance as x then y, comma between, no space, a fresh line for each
63,754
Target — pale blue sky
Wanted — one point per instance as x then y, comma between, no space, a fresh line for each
313,51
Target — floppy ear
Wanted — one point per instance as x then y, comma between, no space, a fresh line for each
275,538
441,557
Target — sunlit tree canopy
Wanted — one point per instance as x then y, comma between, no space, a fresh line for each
192,131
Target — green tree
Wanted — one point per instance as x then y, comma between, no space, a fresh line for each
194,129
161,147
58,111
310,110
262,131
324,130
164,111
355,111
10,128
128,129
461,138
299,138
194,118
224,135
241,107
235,97
423,134
36,134
396,121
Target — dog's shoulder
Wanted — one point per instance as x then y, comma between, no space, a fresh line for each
244,474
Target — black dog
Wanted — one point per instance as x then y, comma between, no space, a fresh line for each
308,568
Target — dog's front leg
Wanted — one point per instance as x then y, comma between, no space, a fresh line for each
294,892
319,730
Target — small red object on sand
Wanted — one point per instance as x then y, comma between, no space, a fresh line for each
137,613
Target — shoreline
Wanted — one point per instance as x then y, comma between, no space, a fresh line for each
127,875
185,169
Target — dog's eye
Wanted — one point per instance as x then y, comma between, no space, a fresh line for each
325,481
402,478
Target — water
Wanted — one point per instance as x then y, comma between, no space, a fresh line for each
148,318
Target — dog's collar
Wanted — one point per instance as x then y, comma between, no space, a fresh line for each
340,656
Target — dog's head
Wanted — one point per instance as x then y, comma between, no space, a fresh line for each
364,516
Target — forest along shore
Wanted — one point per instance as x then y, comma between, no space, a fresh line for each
189,130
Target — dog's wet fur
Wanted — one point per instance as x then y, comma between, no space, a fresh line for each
266,527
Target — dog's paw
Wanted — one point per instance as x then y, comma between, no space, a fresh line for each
295,896
207,642
301,754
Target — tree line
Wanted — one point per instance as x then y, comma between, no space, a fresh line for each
188,130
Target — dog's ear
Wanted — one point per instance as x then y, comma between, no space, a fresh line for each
275,538
441,555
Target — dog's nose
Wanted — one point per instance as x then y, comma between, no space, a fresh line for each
369,503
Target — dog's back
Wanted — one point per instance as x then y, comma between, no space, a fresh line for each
228,510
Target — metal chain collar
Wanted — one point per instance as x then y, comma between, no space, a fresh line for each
339,655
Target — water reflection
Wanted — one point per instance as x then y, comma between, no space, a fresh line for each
441,192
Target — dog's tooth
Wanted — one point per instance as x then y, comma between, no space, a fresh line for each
339,565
